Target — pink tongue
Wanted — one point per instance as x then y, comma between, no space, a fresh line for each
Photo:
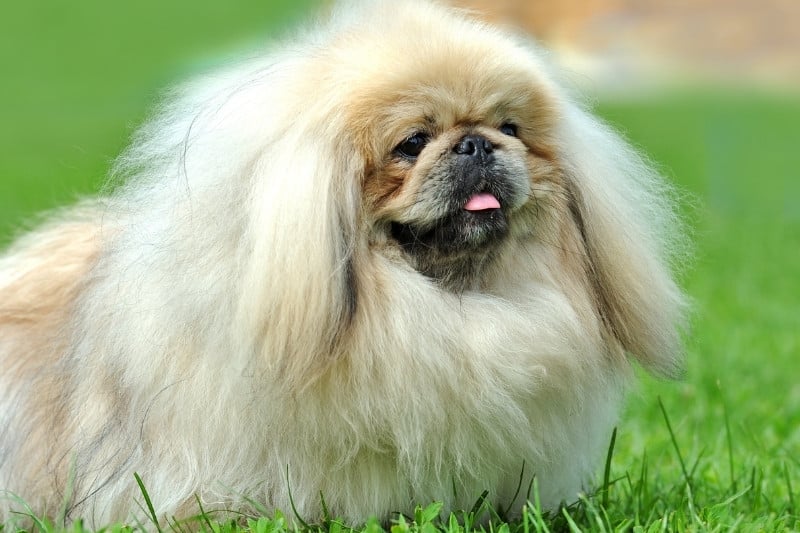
482,201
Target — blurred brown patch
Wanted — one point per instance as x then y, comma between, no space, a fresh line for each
744,41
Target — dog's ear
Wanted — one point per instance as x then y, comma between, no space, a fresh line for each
302,287
632,235
263,191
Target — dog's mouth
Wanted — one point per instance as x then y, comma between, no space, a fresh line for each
478,223
469,209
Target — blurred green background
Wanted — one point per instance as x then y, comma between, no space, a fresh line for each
78,77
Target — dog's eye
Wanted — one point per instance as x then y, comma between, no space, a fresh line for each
412,146
509,129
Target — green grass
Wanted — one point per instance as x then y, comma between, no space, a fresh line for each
718,451
736,418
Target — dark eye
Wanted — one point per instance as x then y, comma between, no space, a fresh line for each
412,146
509,129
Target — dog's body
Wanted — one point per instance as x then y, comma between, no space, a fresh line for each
261,307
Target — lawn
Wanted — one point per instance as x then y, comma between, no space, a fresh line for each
736,417
716,451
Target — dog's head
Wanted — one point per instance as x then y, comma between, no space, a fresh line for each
411,132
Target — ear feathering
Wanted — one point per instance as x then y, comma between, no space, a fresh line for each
633,237
300,276
289,189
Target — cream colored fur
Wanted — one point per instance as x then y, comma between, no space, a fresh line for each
196,326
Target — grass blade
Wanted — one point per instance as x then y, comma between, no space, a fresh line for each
291,502
203,515
789,488
147,502
607,471
572,525
686,475
730,446
478,505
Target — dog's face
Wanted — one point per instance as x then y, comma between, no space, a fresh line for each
458,189
456,153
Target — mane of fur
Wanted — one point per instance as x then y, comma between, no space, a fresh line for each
218,324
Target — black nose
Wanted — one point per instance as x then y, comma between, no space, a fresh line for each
475,146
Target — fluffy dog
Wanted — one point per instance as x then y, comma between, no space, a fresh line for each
391,262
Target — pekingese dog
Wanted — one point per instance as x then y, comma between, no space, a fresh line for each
394,261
